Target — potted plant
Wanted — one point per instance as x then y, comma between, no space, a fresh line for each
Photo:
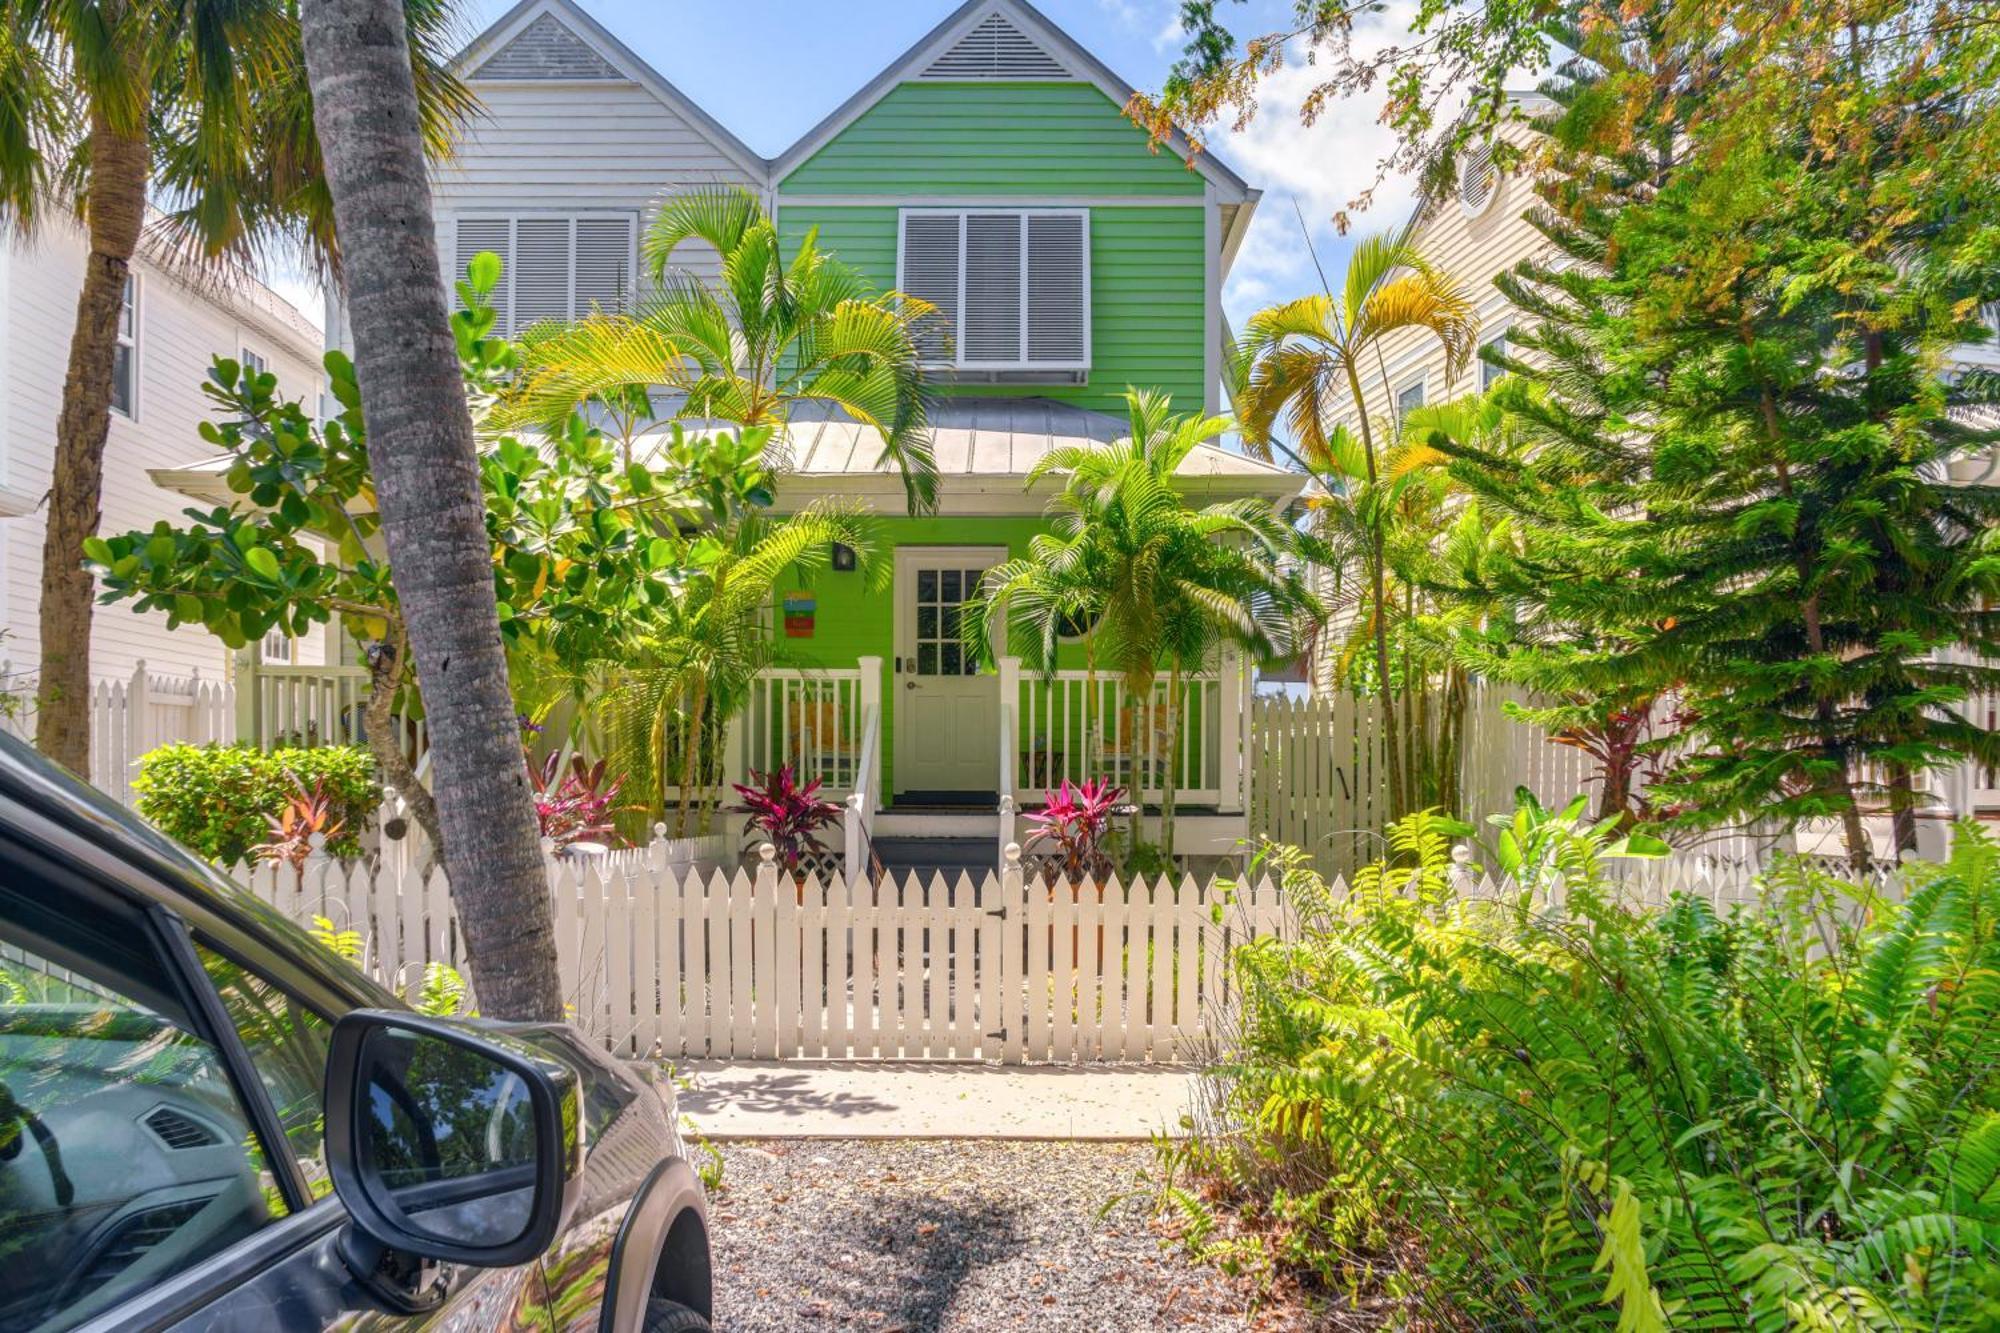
574,805
786,815
1073,829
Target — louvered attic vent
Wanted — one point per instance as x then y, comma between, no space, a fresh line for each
996,49
1477,182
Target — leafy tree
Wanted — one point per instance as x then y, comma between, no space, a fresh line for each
1304,356
776,332
578,547
1735,480
1168,583
201,106
692,666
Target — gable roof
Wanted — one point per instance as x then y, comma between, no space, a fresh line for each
544,23
1009,36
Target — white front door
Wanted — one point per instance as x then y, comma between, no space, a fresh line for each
946,713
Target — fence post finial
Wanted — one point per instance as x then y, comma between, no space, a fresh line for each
766,853
660,830
1012,856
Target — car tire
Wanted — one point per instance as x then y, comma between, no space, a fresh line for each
673,1317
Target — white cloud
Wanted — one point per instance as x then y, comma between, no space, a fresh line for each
1319,168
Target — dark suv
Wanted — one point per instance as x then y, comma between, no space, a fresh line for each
208,1121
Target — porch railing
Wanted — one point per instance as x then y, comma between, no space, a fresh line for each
1075,725
317,705
814,721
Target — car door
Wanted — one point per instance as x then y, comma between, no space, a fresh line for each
157,1151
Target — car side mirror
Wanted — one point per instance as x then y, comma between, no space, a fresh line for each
450,1140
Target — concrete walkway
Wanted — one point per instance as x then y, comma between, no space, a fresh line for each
824,1099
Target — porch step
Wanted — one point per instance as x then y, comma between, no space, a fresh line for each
902,855
932,824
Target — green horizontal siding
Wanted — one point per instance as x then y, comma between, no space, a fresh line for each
856,612
1146,291
992,138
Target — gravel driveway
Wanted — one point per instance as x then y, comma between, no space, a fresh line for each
915,1236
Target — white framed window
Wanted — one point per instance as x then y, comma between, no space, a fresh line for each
1490,374
125,361
253,362
1011,285
1408,399
278,649
552,266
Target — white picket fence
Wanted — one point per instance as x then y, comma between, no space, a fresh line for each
148,710
668,961
739,964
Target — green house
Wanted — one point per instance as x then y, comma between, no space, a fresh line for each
991,171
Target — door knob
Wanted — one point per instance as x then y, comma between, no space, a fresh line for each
909,684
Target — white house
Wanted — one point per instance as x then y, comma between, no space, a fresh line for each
172,329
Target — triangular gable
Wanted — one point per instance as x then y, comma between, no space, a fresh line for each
995,48
545,49
971,40
542,36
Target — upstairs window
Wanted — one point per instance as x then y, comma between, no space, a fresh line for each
1490,374
551,267
1011,287
254,363
1408,400
125,360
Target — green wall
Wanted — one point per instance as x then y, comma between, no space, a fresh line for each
992,138
855,615
1146,293
1043,142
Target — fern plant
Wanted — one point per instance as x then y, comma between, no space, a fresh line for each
1783,1116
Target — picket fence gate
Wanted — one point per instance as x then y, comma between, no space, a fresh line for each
670,962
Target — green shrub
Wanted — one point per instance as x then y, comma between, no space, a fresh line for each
218,799
1785,1116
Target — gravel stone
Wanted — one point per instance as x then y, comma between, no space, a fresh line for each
904,1236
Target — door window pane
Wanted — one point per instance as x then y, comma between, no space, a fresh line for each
288,1044
125,1153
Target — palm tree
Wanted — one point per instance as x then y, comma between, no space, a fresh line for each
694,665
433,515
1302,356
1156,584
203,101
773,333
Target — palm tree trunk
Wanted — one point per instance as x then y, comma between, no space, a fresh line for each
427,475
1376,557
116,212
690,756
1169,783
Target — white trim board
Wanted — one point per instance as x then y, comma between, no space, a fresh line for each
992,201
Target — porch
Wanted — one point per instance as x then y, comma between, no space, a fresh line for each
997,740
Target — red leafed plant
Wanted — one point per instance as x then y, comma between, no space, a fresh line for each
574,804
785,814
305,824
1073,826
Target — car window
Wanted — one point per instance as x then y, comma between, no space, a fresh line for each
126,1154
288,1044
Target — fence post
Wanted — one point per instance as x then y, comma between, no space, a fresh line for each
1230,736
246,697
869,714
138,720
854,839
1013,931
1010,741
1007,843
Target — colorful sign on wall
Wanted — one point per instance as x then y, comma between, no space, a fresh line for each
799,613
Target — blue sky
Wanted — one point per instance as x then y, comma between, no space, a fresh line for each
771,69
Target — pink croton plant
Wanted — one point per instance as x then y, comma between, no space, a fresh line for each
1073,827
